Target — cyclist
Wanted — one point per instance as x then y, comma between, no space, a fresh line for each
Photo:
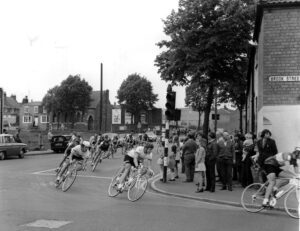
273,167
75,140
104,146
80,153
132,158
114,143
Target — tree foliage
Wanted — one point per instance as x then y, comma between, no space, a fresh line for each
72,95
135,93
208,40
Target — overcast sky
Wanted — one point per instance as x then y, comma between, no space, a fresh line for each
42,42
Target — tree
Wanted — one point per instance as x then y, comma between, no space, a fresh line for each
207,38
196,96
72,95
135,93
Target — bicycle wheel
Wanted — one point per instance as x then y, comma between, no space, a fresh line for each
252,197
292,202
112,189
96,163
137,189
69,180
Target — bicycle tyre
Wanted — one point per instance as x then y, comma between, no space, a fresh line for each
112,191
137,189
289,201
63,176
252,197
61,165
69,180
96,163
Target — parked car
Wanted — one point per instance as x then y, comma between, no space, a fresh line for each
151,136
59,143
9,147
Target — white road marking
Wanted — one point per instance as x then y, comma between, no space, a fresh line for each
51,224
48,170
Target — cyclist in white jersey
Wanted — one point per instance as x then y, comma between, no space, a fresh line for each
133,157
273,167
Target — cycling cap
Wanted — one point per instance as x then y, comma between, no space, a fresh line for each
86,144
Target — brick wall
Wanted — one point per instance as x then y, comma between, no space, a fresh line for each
281,55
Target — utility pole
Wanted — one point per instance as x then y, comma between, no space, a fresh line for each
101,98
216,111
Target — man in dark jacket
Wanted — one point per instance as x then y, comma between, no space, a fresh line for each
210,161
265,147
226,156
188,151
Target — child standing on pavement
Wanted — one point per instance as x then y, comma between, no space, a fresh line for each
172,163
200,169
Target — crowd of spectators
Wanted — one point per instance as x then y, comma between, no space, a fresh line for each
222,157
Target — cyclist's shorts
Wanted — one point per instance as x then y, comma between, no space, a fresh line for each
272,169
129,160
77,158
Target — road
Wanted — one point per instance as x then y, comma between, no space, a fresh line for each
30,202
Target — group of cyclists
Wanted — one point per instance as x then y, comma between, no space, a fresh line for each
135,151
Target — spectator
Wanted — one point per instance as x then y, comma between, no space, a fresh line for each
200,169
238,149
189,149
171,163
226,158
17,136
219,139
210,161
265,147
49,135
181,143
160,160
177,155
248,151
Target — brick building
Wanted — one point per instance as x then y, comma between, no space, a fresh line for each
11,110
90,120
274,72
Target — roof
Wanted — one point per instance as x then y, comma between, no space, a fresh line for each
34,103
95,98
275,2
11,103
263,4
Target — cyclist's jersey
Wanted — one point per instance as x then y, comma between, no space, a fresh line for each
76,151
115,140
136,152
278,161
105,145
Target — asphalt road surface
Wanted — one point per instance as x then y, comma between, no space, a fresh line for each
29,201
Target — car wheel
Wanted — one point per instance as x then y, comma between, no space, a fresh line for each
2,156
21,154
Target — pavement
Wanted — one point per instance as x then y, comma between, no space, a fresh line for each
181,189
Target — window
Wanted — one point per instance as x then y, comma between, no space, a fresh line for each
27,119
44,110
26,109
44,119
36,109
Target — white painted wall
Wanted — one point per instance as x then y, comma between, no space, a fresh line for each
284,126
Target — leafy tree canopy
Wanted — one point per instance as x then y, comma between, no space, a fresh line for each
72,95
136,94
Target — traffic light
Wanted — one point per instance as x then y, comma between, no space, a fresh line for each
170,105
177,114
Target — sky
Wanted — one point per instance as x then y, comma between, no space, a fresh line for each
43,42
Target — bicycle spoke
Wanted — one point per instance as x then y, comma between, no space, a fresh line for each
252,197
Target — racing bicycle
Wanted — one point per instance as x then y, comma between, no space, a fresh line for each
69,175
253,195
135,185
